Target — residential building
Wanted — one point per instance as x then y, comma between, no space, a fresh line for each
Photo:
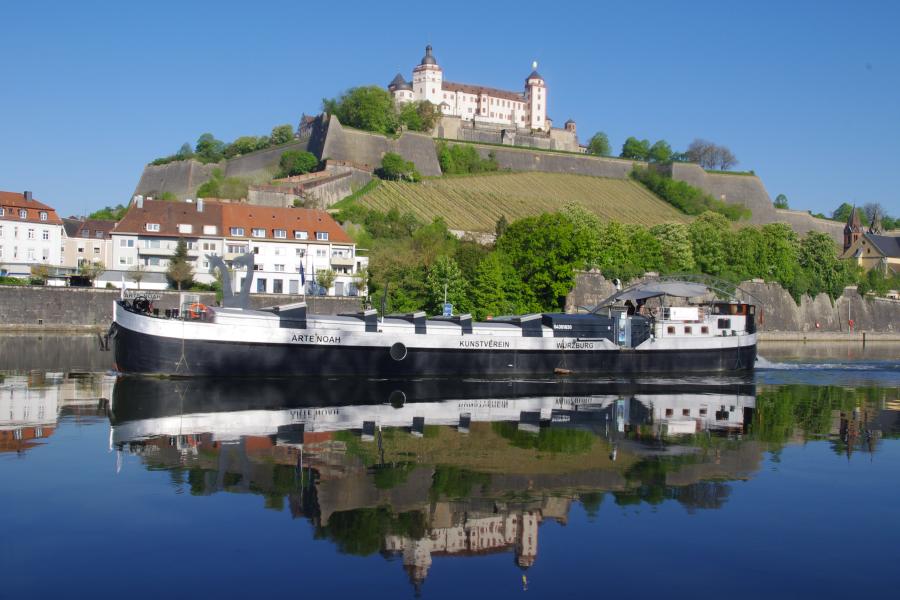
87,240
290,245
31,233
871,248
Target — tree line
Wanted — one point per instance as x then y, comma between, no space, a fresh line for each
703,152
372,108
208,149
532,265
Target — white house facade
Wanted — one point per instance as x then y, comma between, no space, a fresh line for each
31,233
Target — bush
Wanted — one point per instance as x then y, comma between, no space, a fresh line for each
462,158
297,162
685,197
12,281
219,186
393,167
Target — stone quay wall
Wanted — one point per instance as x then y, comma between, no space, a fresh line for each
27,308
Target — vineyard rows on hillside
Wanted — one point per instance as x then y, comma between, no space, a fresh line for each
475,203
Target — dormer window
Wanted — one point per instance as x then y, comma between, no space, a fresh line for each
280,233
43,215
153,227
23,214
209,230
239,231
300,235
98,233
260,233
322,236
2,211
185,228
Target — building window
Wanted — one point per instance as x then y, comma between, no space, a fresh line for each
301,252
685,412
185,228
23,214
702,412
80,249
2,211
279,268
322,236
98,234
237,249
31,234
45,234
255,249
669,412
237,231
261,285
321,252
96,250
300,235
277,286
85,233
152,226
280,234
43,215
209,230
260,233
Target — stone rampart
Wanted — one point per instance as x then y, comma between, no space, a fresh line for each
262,165
367,149
181,178
520,159
803,222
37,307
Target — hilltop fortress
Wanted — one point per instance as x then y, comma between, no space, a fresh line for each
512,126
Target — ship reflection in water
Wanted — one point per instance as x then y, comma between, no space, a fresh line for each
426,468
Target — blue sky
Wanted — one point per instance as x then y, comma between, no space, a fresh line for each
807,94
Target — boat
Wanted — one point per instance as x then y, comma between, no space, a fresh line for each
637,331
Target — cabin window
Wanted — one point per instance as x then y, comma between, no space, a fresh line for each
685,412
724,323
669,412
704,329
670,329
688,330
702,412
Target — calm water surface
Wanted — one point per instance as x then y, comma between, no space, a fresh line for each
785,484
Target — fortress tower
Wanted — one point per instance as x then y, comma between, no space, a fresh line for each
428,78
536,99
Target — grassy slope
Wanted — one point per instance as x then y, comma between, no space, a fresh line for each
475,203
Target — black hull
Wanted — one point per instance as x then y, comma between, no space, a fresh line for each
147,354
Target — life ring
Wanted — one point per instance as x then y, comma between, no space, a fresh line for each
197,310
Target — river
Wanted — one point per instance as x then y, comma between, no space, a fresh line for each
781,484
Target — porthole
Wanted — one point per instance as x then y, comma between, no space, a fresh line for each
398,351
397,398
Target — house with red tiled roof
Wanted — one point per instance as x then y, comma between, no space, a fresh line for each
31,233
87,240
291,246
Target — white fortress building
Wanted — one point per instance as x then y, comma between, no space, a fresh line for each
526,109
478,113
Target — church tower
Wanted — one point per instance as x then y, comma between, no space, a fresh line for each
535,100
853,229
428,79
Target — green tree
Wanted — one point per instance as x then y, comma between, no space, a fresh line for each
370,108
296,162
710,236
463,158
446,272
545,251
501,226
180,273
185,152
420,115
281,134
395,168
781,201
109,213
746,253
780,257
842,212
209,149
599,145
660,152
636,149
818,257
325,278
219,186
242,145
91,269
675,247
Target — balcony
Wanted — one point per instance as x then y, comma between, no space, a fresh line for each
155,251
339,260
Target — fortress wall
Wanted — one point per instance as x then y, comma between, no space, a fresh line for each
803,222
262,165
517,159
182,178
367,149
747,190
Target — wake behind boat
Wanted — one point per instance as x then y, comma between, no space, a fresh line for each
621,335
